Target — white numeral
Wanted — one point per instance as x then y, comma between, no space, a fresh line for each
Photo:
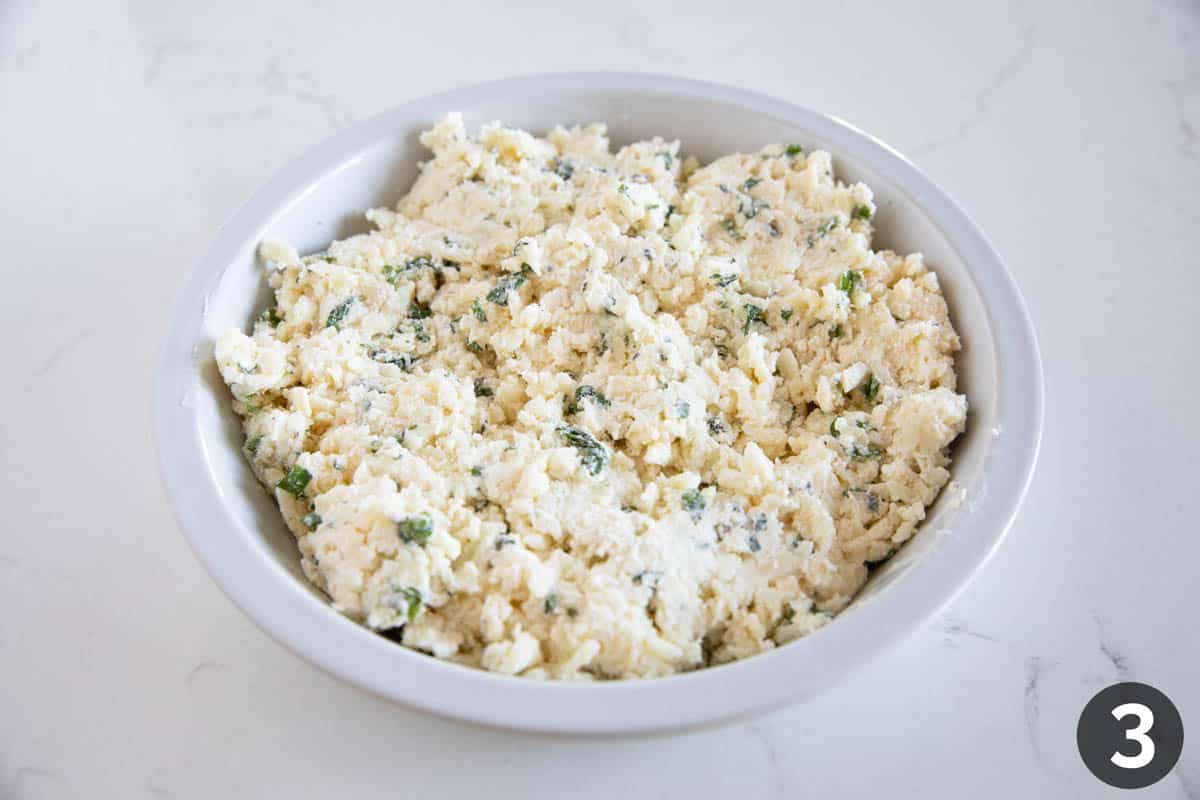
1145,743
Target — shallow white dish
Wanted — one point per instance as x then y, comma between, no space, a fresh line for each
235,527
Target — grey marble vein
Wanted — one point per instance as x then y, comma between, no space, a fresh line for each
983,97
1035,669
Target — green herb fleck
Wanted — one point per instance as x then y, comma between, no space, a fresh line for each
823,231
751,183
563,168
271,316
752,543
311,520
668,159
863,453
508,282
252,444
419,332
587,391
723,280
477,471
861,212
753,314
694,503
482,389
593,455
871,388
413,602
785,314
474,347
850,281
648,578
683,408
478,311
793,150
836,331
295,481
338,315
416,529
729,226
418,311
550,604
833,426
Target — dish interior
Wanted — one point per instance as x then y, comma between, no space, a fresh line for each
330,207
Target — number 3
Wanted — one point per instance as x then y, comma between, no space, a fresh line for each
1145,743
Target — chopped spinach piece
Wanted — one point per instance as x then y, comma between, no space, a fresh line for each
338,315
295,481
593,455
416,529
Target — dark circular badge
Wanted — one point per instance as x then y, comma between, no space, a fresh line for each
1130,735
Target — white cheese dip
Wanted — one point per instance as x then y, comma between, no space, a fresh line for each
573,414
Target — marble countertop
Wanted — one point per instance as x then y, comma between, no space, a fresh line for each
132,130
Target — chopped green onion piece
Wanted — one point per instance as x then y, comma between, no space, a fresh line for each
295,481
416,529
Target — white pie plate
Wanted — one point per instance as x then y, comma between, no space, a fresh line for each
235,528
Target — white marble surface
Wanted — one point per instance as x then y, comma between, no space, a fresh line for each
131,130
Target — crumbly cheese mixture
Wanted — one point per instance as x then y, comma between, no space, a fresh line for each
568,413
